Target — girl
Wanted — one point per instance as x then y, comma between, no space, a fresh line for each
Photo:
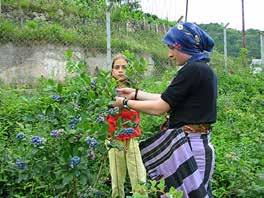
129,158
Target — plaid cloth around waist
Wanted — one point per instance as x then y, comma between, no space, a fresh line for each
167,155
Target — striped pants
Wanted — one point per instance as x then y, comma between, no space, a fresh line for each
184,161
120,162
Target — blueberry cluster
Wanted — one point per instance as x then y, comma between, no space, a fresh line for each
92,142
73,122
100,119
57,98
125,131
20,164
75,161
55,133
93,84
37,141
20,136
113,111
128,130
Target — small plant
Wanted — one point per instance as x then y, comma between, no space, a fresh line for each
155,189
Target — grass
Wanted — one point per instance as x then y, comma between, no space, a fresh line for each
51,7
87,36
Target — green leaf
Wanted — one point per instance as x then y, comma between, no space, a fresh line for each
83,180
161,185
67,179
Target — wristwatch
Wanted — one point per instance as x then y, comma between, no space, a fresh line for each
125,105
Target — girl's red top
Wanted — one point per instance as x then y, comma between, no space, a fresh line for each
124,115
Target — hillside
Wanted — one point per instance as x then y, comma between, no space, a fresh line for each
69,23
83,23
234,40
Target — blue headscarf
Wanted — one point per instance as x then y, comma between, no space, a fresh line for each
190,39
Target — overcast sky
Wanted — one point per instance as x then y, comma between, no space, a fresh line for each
209,11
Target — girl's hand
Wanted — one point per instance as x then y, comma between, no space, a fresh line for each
129,93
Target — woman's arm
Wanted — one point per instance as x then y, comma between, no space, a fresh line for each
130,93
153,107
147,96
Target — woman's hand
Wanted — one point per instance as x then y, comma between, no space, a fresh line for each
118,102
128,93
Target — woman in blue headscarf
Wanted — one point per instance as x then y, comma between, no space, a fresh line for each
182,155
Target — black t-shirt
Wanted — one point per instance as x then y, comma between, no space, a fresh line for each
192,95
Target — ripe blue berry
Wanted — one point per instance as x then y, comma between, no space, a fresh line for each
128,130
37,140
73,122
56,98
75,161
92,142
113,111
20,136
20,164
54,133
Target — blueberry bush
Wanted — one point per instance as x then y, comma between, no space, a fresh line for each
52,138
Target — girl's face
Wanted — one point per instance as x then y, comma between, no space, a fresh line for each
119,69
